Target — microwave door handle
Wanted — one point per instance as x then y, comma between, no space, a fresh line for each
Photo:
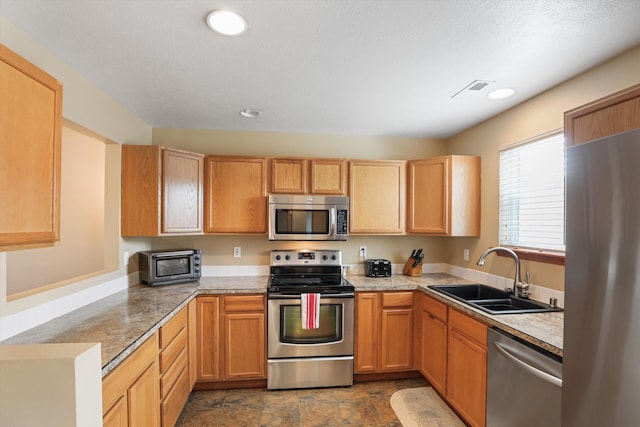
332,222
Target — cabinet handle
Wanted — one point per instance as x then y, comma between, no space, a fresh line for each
531,369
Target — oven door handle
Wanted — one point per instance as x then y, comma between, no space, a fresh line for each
322,296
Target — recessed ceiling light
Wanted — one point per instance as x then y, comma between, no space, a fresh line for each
226,22
250,114
501,93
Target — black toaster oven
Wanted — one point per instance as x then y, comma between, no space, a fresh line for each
377,268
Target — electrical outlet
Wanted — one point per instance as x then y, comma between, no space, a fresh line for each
125,258
363,251
237,251
465,255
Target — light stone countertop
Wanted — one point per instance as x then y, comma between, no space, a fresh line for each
544,330
123,321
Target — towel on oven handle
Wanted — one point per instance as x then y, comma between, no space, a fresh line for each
310,311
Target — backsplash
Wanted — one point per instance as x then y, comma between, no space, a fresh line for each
537,292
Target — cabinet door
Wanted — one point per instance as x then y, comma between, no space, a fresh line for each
140,186
235,195
193,342
467,367
116,416
612,114
366,332
289,176
377,197
328,176
208,317
30,152
444,196
396,339
433,351
182,176
429,182
245,346
144,399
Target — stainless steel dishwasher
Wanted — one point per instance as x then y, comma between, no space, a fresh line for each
523,383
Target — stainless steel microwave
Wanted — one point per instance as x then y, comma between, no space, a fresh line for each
293,217
166,267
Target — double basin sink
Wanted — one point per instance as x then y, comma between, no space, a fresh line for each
492,300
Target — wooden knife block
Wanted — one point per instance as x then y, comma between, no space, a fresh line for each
410,270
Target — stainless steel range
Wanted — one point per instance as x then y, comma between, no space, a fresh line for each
320,356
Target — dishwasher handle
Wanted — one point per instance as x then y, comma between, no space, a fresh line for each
531,369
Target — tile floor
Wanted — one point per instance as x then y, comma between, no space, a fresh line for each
364,404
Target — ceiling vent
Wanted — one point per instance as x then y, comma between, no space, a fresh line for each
474,87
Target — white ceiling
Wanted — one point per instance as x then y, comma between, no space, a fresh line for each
365,67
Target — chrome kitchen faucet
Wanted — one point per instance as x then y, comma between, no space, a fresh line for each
519,289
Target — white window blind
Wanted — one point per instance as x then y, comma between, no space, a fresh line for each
532,194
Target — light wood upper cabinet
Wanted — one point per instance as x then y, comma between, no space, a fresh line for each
161,191
444,196
612,114
308,176
377,190
288,176
235,195
30,152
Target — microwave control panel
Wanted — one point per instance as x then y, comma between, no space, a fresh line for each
342,224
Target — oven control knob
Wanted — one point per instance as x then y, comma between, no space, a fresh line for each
278,257
287,257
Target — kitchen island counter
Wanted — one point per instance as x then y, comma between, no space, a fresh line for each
123,321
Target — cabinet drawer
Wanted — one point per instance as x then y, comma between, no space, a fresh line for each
172,351
244,303
169,378
397,299
172,328
437,308
468,327
175,400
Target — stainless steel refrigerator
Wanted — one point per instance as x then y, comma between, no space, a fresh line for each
601,363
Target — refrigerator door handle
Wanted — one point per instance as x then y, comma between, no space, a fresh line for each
531,369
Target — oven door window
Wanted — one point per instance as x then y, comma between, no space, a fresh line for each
172,266
302,221
330,329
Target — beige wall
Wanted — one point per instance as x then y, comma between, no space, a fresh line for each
537,116
89,109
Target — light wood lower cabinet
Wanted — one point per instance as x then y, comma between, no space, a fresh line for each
453,357
383,332
433,342
231,338
467,367
174,367
131,392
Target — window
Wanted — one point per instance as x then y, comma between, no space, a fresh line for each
532,194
